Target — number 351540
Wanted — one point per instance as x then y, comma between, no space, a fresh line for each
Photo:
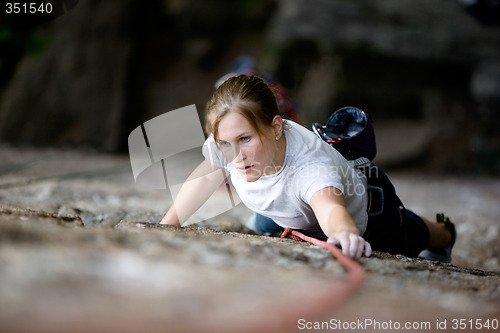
28,8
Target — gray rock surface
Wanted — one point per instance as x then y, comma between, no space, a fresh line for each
81,250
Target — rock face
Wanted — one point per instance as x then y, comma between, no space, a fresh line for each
399,60
79,240
80,248
414,29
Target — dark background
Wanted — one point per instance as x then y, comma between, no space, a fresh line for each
86,75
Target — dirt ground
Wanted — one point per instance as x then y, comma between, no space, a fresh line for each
80,251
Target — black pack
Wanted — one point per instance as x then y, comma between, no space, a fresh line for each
350,131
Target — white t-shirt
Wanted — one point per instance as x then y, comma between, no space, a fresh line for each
310,165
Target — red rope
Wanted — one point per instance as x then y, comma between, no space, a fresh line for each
356,276
282,315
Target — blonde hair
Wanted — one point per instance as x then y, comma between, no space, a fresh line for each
247,95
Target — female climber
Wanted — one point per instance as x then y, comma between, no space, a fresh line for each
293,179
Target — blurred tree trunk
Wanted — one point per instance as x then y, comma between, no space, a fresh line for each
74,92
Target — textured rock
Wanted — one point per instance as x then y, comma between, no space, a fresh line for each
79,241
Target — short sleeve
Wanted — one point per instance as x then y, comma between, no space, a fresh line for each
212,154
315,177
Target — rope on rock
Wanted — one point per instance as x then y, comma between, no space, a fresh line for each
283,315
356,272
